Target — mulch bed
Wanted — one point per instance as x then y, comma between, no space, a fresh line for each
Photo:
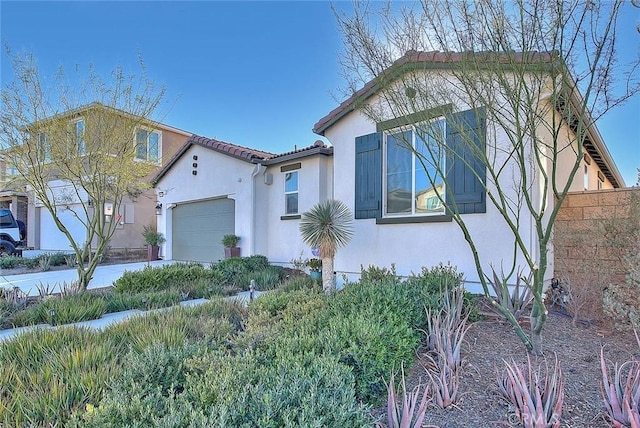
490,342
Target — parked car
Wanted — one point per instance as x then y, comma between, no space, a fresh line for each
11,239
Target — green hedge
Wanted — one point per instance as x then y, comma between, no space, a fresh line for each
171,276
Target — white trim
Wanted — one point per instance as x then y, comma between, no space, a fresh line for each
411,128
149,132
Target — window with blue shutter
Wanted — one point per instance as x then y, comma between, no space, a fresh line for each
466,173
368,179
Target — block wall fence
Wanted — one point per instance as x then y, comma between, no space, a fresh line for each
580,239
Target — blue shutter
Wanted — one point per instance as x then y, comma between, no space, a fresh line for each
368,179
466,133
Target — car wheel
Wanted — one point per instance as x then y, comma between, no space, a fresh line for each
7,247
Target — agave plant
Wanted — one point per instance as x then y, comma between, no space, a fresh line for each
406,412
446,331
537,397
516,300
327,226
621,393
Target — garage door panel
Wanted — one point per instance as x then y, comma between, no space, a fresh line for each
198,229
50,236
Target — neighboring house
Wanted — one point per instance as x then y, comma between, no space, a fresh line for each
11,196
397,218
211,188
154,143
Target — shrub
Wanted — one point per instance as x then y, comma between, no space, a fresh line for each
30,263
147,379
45,375
256,262
436,278
44,261
162,278
379,275
298,282
288,391
366,326
9,262
265,279
57,258
232,270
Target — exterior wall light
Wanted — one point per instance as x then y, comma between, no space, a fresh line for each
158,208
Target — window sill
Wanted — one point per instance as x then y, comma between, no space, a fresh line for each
291,217
416,219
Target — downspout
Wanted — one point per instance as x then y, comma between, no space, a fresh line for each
259,169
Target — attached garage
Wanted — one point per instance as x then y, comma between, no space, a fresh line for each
50,236
198,228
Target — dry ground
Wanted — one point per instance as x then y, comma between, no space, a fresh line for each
489,342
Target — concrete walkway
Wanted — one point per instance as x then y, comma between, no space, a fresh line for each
103,276
118,317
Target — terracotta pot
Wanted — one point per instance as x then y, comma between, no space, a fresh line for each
231,252
152,252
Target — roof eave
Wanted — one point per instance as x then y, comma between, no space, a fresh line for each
326,151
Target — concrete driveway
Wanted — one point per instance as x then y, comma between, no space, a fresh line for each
103,276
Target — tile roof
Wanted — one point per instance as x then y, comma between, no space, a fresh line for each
240,152
243,153
434,57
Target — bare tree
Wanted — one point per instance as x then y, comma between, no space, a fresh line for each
71,142
538,73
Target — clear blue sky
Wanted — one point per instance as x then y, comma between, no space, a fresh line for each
257,74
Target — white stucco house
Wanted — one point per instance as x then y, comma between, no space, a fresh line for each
397,218
211,188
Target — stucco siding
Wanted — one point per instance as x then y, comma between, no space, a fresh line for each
282,235
412,246
218,176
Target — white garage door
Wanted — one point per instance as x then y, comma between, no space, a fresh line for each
50,236
198,228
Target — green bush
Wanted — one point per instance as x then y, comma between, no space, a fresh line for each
437,278
30,263
219,390
256,262
368,327
297,282
266,278
58,258
379,275
162,278
238,271
10,262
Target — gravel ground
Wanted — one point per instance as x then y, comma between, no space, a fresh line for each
490,342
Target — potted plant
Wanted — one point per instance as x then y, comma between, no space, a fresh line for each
153,239
315,268
231,248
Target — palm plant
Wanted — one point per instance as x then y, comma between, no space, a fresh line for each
327,226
